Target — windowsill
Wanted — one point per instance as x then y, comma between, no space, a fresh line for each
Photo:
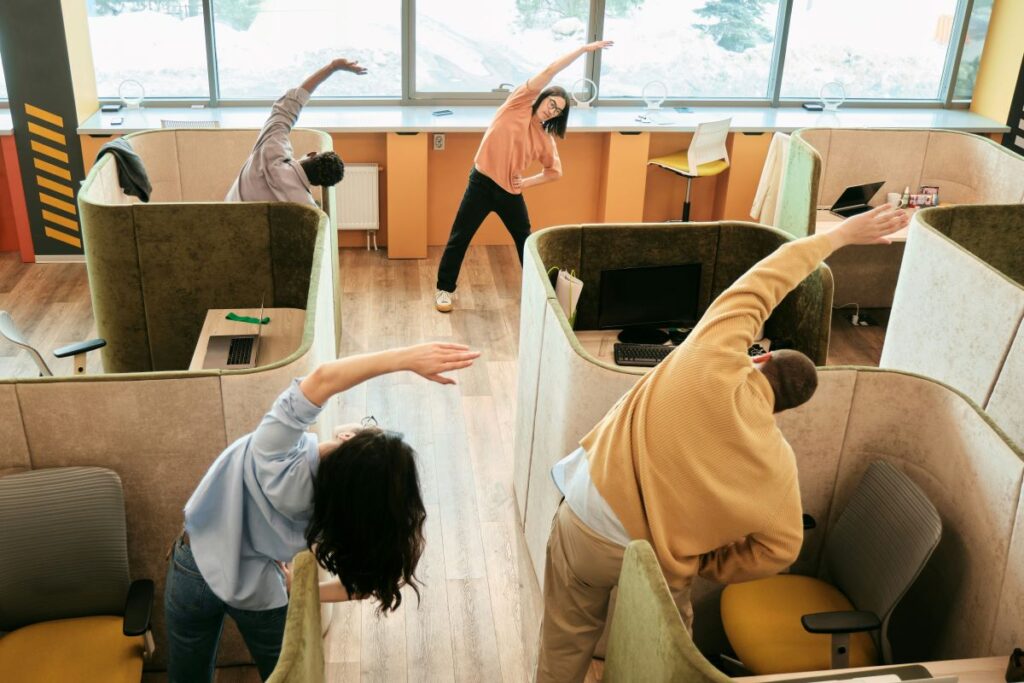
471,119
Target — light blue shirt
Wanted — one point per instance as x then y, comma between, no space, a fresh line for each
572,477
253,505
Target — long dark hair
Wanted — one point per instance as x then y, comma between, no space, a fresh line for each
367,525
557,124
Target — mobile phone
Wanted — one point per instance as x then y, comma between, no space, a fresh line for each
116,121
443,112
813,106
110,108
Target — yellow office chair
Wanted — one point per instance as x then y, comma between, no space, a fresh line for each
872,555
706,156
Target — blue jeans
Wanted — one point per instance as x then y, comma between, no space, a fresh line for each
195,617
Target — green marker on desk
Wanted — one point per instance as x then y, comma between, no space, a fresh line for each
247,319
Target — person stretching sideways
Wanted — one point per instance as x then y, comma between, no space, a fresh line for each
523,131
353,500
270,174
691,460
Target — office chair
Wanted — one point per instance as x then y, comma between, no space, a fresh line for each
302,649
648,642
706,156
10,332
873,553
69,611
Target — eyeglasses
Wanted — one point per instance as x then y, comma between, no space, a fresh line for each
368,421
554,108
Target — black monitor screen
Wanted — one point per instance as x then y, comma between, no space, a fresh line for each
654,296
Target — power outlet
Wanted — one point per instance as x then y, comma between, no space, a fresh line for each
438,142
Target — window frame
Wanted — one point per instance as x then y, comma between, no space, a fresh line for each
410,96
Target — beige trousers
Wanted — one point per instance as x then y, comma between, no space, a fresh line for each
581,569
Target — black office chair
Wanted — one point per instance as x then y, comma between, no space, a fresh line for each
10,332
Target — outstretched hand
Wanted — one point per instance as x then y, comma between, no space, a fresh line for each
597,45
348,65
871,227
430,360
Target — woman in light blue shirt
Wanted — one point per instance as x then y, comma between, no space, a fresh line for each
354,500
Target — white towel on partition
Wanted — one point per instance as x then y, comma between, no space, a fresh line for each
767,196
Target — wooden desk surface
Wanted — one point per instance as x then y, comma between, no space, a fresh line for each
601,345
281,336
980,670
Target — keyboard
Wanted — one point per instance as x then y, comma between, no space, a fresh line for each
649,355
641,355
240,351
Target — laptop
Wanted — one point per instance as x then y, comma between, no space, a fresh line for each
855,199
234,351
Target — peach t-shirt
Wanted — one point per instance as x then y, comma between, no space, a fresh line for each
514,140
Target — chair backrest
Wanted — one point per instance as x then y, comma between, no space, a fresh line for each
881,541
302,650
63,548
708,143
188,123
12,334
648,641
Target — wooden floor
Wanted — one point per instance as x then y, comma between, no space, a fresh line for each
477,591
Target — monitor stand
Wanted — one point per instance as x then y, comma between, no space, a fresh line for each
643,335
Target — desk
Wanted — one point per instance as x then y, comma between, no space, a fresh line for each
980,670
280,338
601,345
826,221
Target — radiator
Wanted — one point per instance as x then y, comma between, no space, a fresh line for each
357,198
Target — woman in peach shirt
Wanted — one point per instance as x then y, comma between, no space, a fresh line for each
523,131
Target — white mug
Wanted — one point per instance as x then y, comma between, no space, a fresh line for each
893,198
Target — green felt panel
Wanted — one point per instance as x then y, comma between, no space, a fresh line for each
195,257
293,235
609,247
798,193
115,286
994,233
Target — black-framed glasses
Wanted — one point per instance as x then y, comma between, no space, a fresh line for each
368,421
555,109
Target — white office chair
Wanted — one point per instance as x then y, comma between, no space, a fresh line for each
706,156
10,332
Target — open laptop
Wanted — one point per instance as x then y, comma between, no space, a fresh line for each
855,199
234,351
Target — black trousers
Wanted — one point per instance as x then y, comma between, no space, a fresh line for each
483,195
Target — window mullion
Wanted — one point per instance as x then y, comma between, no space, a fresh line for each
595,31
956,50
211,53
779,52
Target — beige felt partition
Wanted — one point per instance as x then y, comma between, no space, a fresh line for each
972,475
953,317
1006,404
14,456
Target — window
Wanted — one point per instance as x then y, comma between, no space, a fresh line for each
471,46
977,29
697,48
159,43
884,49
3,83
265,47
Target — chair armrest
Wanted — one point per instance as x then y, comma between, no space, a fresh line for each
79,347
840,622
138,607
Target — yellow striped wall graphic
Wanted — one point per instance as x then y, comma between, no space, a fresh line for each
55,149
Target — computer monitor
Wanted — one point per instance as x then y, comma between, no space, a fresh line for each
642,300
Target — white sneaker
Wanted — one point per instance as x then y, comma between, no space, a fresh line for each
443,301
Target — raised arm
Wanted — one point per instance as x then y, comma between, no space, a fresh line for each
540,81
322,74
426,360
735,317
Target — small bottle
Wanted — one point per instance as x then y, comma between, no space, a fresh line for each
905,199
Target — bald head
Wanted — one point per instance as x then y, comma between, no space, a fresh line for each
792,376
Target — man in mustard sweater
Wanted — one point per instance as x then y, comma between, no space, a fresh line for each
690,459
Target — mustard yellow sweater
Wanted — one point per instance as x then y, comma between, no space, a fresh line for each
690,458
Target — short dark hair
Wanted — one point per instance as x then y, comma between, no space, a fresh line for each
368,515
324,169
557,124
793,378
